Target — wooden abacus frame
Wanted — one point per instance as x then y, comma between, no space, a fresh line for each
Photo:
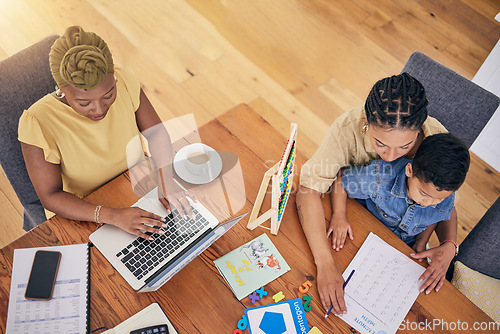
281,178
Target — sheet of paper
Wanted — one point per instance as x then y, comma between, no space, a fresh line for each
66,312
382,289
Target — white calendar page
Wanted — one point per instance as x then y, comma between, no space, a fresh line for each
66,312
382,289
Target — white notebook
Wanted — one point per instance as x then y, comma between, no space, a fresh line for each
150,316
67,310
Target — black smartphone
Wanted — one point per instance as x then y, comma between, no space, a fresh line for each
43,275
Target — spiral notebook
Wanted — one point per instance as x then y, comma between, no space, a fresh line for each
68,310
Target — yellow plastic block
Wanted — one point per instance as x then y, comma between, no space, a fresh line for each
315,330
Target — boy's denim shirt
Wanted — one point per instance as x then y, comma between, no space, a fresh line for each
383,185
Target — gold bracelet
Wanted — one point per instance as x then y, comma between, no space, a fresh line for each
97,211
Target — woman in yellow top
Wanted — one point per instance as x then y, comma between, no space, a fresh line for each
75,139
392,124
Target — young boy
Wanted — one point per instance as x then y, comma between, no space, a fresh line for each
407,196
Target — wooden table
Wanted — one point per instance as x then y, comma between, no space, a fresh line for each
197,299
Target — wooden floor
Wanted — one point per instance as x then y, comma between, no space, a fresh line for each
303,61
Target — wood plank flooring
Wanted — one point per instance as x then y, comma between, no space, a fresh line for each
303,61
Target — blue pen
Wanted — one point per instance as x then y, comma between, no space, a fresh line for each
343,287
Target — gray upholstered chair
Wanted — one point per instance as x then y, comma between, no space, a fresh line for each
463,108
24,78
480,249
460,105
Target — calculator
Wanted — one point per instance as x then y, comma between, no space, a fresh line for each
158,329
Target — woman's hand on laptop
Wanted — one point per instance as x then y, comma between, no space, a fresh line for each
133,220
173,198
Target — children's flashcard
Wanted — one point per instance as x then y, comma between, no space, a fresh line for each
382,289
287,317
251,266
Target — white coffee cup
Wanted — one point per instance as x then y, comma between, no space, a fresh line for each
198,158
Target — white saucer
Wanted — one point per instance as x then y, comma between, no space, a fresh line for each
181,170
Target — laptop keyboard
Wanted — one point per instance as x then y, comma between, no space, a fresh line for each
142,256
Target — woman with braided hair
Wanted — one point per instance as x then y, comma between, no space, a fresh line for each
392,124
75,139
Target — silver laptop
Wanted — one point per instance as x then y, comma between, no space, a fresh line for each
147,265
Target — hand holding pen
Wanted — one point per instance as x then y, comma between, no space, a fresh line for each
343,287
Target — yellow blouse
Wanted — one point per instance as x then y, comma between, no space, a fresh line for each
347,144
89,153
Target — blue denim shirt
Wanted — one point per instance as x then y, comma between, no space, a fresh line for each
383,186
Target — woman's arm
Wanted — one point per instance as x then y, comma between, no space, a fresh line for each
47,181
160,146
311,216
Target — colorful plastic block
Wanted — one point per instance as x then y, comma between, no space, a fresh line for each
261,292
305,287
307,303
243,323
253,297
279,296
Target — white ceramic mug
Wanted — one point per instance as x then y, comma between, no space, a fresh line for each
198,158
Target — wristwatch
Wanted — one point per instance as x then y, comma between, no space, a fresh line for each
453,242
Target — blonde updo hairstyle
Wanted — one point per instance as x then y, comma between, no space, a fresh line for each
80,59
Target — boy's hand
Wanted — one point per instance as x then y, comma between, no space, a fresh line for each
339,229
435,273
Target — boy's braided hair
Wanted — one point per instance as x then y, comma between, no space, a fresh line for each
397,102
